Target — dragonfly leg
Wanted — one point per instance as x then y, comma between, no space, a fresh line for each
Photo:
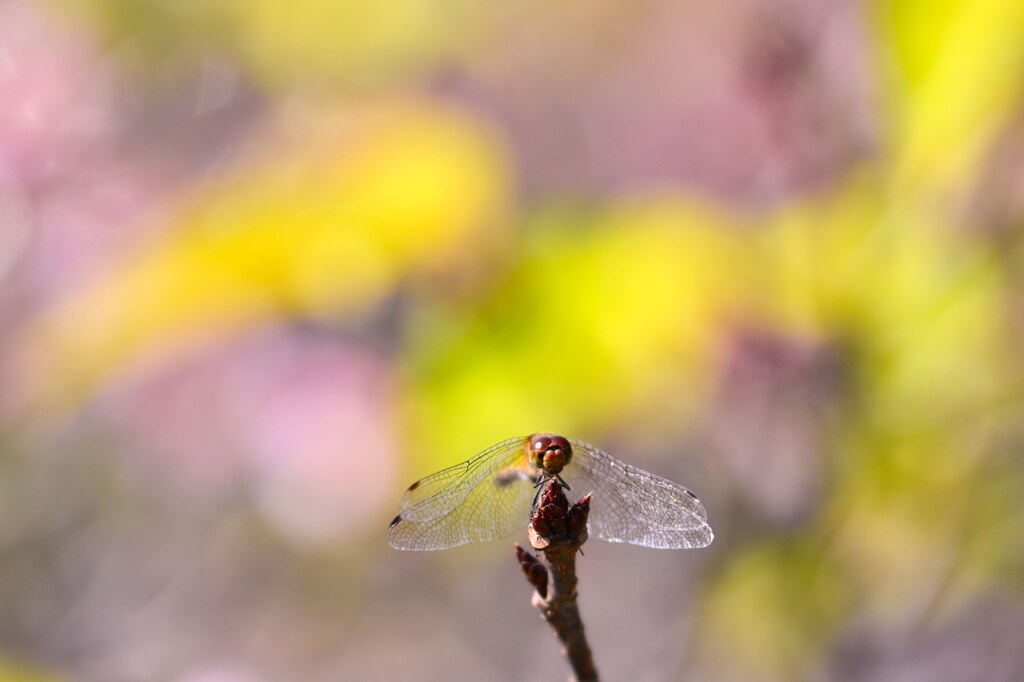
533,505
539,485
564,484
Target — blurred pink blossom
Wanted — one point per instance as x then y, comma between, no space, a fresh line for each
322,442
751,101
59,167
305,424
777,401
53,94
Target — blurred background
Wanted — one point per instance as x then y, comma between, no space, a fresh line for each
263,264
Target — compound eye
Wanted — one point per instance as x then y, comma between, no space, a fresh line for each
540,444
559,442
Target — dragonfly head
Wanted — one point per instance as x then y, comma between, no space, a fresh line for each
548,452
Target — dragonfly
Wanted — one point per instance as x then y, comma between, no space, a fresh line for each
491,496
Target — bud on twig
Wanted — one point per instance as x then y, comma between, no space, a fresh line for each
556,522
534,570
557,530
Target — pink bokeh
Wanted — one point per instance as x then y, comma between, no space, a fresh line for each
302,424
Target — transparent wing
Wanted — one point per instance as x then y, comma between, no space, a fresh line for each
484,498
635,506
439,492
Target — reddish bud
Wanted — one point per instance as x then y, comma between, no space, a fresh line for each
540,524
576,519
549,519
534,571
553,496
556,521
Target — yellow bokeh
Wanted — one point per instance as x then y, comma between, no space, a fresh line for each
601,319
314,43
955,70
329,226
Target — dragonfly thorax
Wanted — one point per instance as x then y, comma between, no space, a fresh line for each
548,453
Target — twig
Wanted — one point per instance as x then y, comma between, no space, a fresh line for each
557,531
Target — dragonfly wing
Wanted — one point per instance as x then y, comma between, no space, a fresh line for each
440,492
635,506
484,498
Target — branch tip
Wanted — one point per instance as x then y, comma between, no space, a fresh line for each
558,530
